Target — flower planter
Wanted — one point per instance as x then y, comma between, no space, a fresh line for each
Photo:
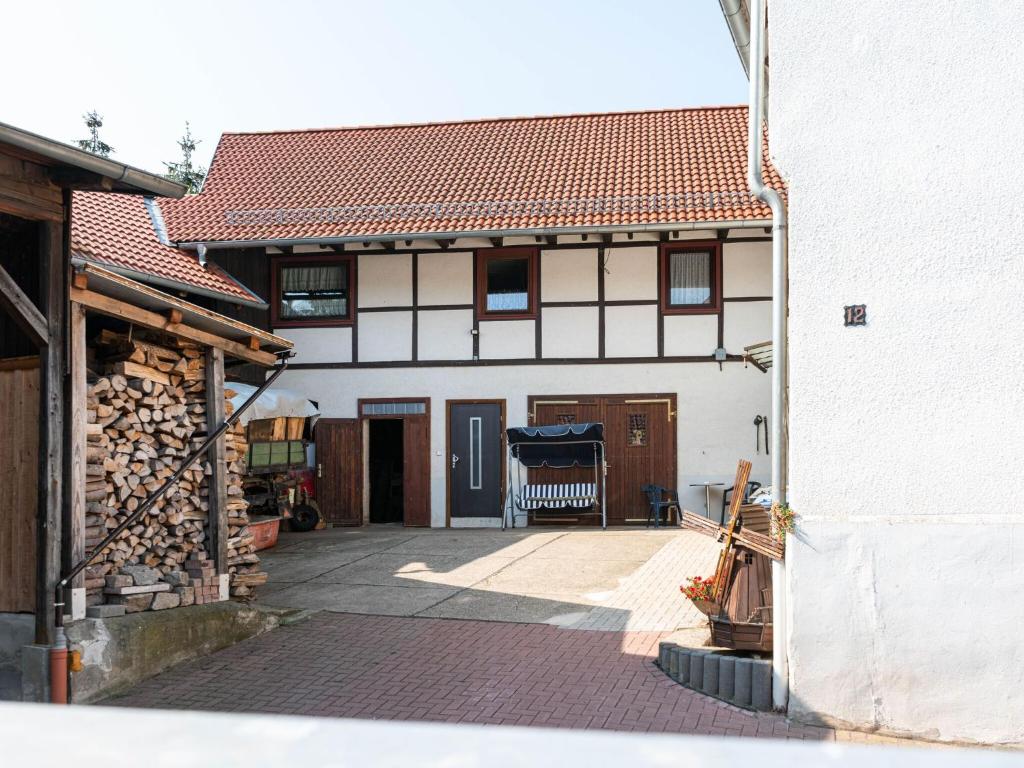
707,607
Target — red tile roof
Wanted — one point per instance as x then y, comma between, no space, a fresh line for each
116,230
670,166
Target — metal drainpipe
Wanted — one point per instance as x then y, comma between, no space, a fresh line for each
779,370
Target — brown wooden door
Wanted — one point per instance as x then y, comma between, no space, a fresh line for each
416,477
640,445
639,441
339,456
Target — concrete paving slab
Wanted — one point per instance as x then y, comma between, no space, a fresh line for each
542,576
360,598
389,569
635,546
502,606
475,542
301,566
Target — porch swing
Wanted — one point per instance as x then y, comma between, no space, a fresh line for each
559,446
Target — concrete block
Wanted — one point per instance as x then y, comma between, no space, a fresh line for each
663,650
672,663
696,679
35,673
726,677
187,595
761,685
142,575
133,603
710,682
682,665
177,579
138,590
118,580
164,600
741,683
107,611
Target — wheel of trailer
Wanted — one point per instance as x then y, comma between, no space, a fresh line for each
304,517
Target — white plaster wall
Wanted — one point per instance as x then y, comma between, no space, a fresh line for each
445,278
385,336
569,331
900,136
631,331
319,345
692,334
746,269
385,280
568,275
632,273
507,339
714,422
746,323
445,334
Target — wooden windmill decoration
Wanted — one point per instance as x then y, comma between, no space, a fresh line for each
740,612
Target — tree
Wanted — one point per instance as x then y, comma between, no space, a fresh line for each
94,121
192,177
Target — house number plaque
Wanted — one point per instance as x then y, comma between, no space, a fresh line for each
855,314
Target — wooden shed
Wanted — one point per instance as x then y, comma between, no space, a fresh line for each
45,305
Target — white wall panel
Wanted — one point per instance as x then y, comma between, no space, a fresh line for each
385,280
687,335
501,339
385,336
631,331
747,269
445,334
569,332
319,345
568,275
746,323
632,273
445,278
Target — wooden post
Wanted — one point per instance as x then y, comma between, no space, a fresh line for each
218,489
75,521
53,276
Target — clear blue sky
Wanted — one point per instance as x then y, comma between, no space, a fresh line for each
230,66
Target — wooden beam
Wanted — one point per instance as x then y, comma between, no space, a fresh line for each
217,488
133,314
78,178
497,241
112,277
338,249
80,280
21,309
722,233
54,271
254,344
175,317
287,250
74,523
445,244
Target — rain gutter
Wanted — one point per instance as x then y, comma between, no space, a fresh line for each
779,370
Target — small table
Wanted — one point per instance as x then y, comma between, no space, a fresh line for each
707,494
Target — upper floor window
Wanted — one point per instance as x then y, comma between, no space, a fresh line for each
312,290
507,283
691,276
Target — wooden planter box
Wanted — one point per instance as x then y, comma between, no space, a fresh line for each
264,531
707,607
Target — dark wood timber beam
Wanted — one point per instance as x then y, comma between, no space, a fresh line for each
551,240
114,308
22,310
77,178
497,242
285,249
217,495
445,244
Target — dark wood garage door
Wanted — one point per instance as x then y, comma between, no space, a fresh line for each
640,440
339,456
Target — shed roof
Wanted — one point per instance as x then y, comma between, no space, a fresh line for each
623,169
122,233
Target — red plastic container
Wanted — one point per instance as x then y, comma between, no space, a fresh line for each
264,531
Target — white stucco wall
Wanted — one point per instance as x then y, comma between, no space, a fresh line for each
319,345
900,135
385,280
569,332
568,275
631,331
631,273
714,421
385,336
445,278
507,339
445,334
687,335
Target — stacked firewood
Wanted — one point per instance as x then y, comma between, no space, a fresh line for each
146,412
243,562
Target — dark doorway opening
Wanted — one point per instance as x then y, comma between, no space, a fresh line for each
386,471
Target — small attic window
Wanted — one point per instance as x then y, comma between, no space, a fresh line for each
507,283
691,278
312,291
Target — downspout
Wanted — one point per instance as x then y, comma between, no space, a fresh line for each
779,369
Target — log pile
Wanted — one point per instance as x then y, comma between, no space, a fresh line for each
145,413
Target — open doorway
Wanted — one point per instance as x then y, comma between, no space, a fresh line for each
386,470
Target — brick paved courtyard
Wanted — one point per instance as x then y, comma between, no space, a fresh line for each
400,668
